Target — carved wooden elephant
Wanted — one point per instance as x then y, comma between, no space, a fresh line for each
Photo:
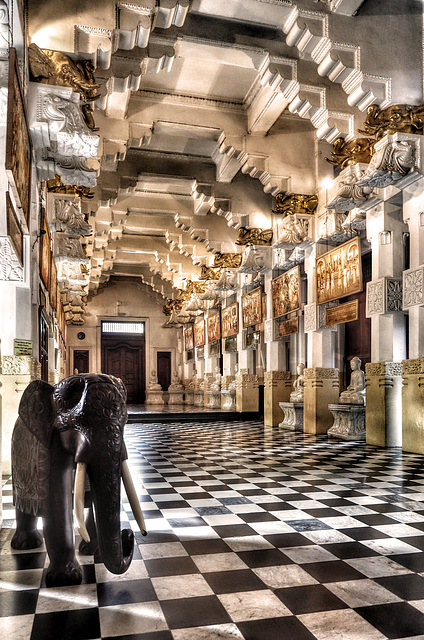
78,423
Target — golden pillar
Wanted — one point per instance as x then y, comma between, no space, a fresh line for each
278,386
413,405
247,393
383,415
321,389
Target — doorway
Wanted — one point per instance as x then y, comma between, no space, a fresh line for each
123,356
164,369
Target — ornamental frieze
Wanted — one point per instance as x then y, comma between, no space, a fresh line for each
413,367
64,214
402,118
10,268
384,369
228,260
320,373
295,204
256,236
295,230
358,150
20,365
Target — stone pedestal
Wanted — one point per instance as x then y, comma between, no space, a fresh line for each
277,389
214,399
413,405
228,393
16,374
207,381
199,394
247,392
176,394
321,389
189,397
154,395
384,403
349,421
292,416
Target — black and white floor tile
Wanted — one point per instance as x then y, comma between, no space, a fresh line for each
254,534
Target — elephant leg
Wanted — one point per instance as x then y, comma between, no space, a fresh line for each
92,547
26,536
58,521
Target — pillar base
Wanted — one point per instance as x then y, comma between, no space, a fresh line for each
278,386
247,393
413,405
321,389
349,421
384,403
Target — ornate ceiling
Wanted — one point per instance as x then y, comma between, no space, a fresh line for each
205,111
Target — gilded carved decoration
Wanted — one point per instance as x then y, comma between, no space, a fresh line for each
257,236
227,260
295,203
58,69
251,308
401,118
209,273
55,185
351,152
286,292
339,272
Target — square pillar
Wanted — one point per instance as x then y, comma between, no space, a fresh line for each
413,405
321,389
247,393
278,386
383,414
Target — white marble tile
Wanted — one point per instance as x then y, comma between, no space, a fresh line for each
291,514
377,566
407,516
195,533
162,550
136,571
306,554
21,580
244,508
126,619
16,627
354,510
248,543
223,518
306,504
289,575
389,546
253,605
205,502
185,512
362,593
192,489
218,562
326,536
344,522
83,596
398,530
211,632
185,586
343,624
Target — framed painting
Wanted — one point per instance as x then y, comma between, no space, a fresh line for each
339,271
188,338
230,324
286,292
251,308
14,230
18,140
53,282
213,324
199,333
45,252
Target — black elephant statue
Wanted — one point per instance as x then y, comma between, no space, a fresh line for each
77,424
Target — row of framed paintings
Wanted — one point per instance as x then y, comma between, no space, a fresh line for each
48,273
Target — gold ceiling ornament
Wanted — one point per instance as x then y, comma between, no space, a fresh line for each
58,69
209,273
55,185
172,305
227,260
400,118
351,152
256,236
295,203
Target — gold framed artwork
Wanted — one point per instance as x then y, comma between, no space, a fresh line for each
288,327
45,252
286,292
339,271
347,312
53,282
199,333
251,308
230,320
14,230
213,324
188,338
18,140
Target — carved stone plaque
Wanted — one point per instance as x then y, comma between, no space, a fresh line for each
347,312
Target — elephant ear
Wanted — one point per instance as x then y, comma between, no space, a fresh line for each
36,410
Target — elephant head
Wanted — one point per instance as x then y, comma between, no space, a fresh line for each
85,414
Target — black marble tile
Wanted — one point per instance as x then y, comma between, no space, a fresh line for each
180,565
261,516
125,592
287,539
289,628
194,612
264,558
415,541
154,635
408,586
81,624
232,530
22,561
345,550
363,533
308,525
412,561
233,581
18,603
208,546
394,620
332,571
309,599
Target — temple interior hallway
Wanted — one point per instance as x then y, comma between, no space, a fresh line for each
254,533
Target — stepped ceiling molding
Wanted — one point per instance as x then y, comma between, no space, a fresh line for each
207,110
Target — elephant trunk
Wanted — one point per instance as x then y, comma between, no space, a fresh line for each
116,547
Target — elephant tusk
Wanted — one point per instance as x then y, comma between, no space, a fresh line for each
132,497
79,489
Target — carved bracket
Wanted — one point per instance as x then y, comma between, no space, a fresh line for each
384,296
256,259
295,229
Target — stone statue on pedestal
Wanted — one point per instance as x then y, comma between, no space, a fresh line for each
298,384
355,393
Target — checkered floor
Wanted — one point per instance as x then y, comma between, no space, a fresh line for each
254,533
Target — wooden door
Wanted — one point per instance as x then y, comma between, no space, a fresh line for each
124,358
164,369
43,355
81,361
